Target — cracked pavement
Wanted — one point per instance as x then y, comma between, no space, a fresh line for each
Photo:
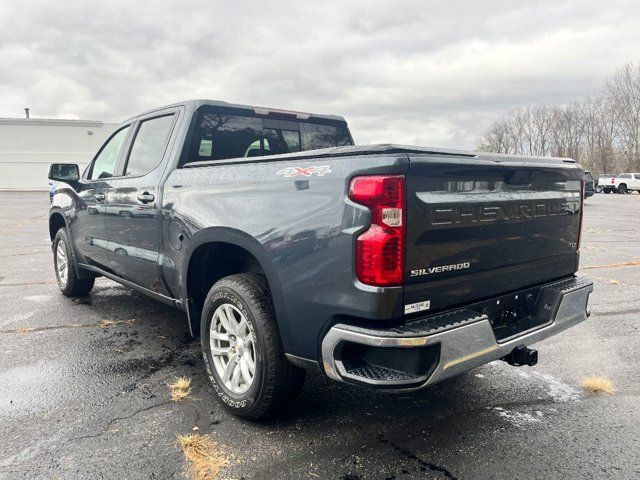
83,386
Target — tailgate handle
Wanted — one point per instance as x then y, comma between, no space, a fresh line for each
146,197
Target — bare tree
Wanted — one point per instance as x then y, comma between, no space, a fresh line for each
568,131
623,90
602,132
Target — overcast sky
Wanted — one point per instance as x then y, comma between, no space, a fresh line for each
428,73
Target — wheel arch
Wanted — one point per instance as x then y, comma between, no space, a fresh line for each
215,253
56,222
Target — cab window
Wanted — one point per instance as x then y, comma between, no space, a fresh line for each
217,136
149,145
105,164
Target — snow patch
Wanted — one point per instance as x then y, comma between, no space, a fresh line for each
517,419
113,292
557,389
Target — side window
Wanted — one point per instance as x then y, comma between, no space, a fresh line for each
105,164
149,145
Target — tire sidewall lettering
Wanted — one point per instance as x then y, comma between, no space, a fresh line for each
220,297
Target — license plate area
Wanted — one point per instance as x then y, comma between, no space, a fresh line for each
513,314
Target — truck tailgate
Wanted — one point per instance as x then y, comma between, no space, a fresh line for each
480,227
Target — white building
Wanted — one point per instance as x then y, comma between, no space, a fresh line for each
29,145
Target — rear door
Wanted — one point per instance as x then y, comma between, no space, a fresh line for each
133,203
478,227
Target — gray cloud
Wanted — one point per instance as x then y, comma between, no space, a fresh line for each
432,73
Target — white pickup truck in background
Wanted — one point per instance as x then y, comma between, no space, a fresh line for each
626,182
606,184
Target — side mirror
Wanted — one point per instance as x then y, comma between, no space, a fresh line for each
64,172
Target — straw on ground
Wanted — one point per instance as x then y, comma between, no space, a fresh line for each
180,388
598,385
205,457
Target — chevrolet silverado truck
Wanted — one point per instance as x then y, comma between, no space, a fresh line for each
289,248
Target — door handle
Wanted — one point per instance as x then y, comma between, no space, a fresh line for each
146,197
99,197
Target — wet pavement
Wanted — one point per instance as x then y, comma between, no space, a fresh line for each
83,386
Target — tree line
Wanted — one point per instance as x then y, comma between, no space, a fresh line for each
601,132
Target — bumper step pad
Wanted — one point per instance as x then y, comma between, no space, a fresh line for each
465,338
426,326
381,374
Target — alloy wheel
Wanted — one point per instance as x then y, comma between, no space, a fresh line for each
62,264
232,348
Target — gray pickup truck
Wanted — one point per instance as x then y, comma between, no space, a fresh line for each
289,248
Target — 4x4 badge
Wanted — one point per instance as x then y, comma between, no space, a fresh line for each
305,171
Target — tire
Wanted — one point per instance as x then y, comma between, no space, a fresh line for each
606,190
622,188
69,283
598,189
245,299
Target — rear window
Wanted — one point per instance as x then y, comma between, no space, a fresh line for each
218,135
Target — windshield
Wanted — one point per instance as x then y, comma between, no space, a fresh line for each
219,136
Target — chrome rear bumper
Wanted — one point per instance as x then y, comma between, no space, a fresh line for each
465,338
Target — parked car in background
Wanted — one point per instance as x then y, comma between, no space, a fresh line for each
627,182
589,184
606,184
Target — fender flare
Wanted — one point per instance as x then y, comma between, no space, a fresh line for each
246,242
55,210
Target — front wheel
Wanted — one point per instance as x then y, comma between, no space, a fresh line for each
242,350
69,283
622,188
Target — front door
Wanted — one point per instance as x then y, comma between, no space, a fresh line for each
133,205
89,225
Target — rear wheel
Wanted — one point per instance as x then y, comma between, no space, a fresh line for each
622,188
69,283
242,350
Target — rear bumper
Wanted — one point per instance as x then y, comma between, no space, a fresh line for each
452,342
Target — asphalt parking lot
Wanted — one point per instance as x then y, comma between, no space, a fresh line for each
84,386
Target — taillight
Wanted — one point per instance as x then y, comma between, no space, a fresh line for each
582,189
380,250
